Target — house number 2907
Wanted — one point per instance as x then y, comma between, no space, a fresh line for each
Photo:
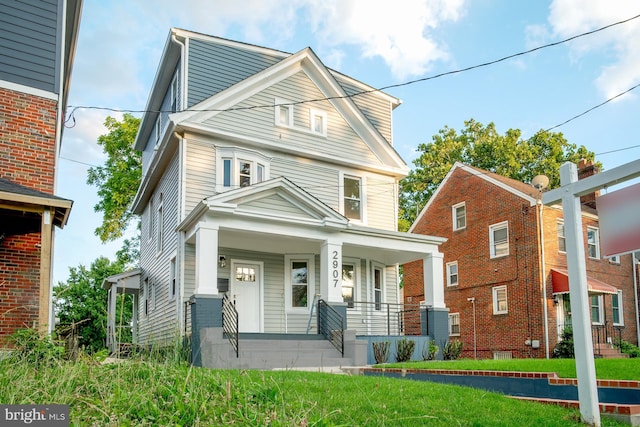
334,268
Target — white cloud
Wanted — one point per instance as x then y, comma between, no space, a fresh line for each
619,44
397,34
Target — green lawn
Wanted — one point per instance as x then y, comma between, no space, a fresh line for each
609,369
144,393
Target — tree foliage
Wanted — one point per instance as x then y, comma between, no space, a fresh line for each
82,299
118,179
483,147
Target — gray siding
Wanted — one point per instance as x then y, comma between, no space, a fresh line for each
318,180
381,197
341,140
214,67
161,322
376,109
275,203
200,179
28,49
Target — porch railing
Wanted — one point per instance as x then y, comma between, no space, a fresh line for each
371,318
331,325
605,335
230,322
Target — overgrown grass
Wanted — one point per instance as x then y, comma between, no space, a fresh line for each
149,393
609,369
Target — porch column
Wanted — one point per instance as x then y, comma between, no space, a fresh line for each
45,313
433,279
134,319
206,259
111,317
331,271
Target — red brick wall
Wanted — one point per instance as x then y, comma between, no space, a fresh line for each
19,283
27,139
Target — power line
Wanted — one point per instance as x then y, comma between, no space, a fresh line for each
407,83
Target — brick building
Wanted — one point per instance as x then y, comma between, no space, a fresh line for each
505,275
37,41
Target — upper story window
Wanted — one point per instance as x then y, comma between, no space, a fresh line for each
562,243
593,242
158,129
240,168
459,215
499,239
318,121
352,201
500,300
150,214
452,273
283,112
615,259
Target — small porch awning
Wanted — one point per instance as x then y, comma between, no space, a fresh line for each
560,283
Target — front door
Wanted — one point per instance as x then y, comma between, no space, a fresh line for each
246,290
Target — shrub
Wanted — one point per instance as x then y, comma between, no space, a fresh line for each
381,351
452,350
29,345
404,349
564,347
628,348
429,350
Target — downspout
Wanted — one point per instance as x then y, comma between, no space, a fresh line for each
634,263
543,282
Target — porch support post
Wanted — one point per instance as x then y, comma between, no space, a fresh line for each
433,279
331,271
134,319
206,259
111,317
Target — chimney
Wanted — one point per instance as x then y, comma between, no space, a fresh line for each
586,168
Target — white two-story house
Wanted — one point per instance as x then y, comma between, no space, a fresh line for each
271,179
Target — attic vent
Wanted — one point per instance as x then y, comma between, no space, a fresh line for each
502,355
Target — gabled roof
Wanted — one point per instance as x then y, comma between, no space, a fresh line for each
17,195
278,200
520,189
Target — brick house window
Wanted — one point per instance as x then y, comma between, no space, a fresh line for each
452,273
615,259
459,215
499,239
596,309
500,300
616,303
562,243
593,242
454,324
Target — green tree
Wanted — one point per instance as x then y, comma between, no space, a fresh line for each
118,179
82,299
483,147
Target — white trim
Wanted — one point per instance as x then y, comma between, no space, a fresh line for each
260,279
173,276
620,309
383,286
448,272
494,291
564,237
596,230
600,309
29,90
492,244
278,104
237,154
363,197
311,279
313,113
355,262
454,216
454,315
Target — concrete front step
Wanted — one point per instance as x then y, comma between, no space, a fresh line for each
607,352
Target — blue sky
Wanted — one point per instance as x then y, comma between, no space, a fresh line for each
380,43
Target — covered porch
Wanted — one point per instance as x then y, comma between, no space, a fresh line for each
125,285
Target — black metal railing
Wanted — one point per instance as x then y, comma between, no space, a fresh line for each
331,325
187,318
605,335
230,322
371,318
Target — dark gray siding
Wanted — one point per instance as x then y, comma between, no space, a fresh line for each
28,43
214,67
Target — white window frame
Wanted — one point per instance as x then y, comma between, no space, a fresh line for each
496,301
600,308
363,198
620,309
452,317
355,263
150,216
174,94
450,275
313,114
160,225
378,305
282,104
561,237
454,215
236,155
173,279
595,244
615,259
492,244
311,282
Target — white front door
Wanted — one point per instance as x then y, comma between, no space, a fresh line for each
246,290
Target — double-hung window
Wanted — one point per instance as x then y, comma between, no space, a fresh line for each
616,303
454,324
500,300
562,243
352,193
593,243
615,259
173,288
459,215
174,94
499,239
452,273
348,284
596,309
378,287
